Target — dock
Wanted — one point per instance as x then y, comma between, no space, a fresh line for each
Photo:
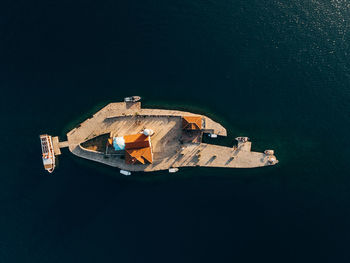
57,145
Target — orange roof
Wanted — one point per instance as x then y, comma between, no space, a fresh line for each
136,141
138,149
142,155
192,122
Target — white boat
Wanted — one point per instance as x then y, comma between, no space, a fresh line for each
132,99
173,170
124,172
212,135
48,154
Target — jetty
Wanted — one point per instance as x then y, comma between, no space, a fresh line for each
132,138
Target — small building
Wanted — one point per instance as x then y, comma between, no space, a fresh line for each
138,148
193,123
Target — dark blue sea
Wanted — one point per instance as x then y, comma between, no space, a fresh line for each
275,71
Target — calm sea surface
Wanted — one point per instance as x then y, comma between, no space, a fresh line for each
276,71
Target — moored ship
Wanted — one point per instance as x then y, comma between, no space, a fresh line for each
48,154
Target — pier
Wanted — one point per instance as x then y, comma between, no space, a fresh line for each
57,145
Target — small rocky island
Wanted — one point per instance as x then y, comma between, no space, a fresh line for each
126,136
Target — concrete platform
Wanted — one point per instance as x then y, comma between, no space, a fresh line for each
63,144
168,148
